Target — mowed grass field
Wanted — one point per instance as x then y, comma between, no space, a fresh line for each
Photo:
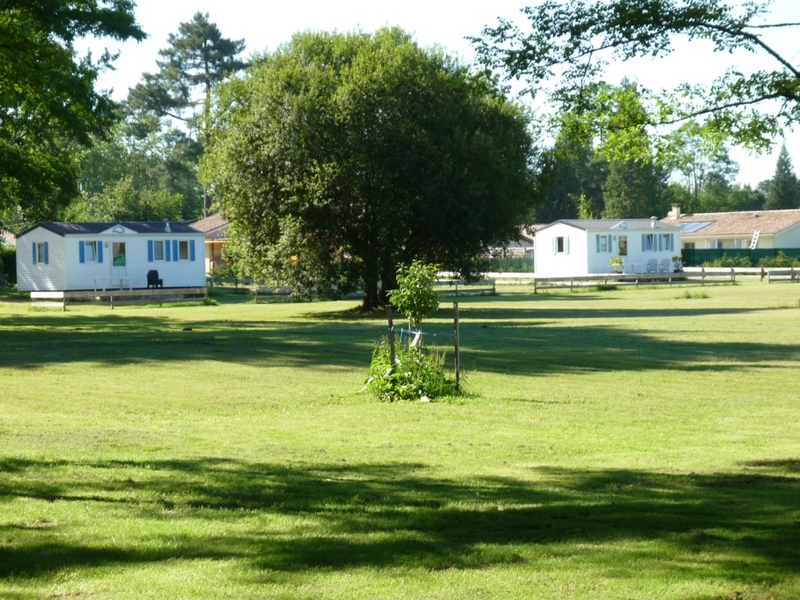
616,444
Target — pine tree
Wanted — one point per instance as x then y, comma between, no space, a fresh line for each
784,189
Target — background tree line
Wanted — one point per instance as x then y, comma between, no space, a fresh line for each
414,155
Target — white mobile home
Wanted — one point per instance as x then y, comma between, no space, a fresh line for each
574,247
94,256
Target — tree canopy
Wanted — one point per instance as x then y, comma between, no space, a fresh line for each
195,60
48,102
569,43
351,154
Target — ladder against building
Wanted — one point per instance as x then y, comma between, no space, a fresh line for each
754,241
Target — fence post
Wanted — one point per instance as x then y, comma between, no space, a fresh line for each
392,353
457,355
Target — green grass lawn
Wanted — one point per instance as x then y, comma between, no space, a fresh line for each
617,444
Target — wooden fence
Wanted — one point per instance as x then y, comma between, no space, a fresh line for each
117,297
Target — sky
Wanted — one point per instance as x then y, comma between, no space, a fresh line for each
266,24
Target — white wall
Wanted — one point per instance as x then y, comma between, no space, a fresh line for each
40,276
85,276
66,272
573,261
789,238
583,257
638,258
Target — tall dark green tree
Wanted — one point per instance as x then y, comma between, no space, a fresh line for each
366,152
784,189
49,107
635,190
571,179
195,60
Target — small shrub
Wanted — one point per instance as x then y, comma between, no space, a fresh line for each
417,372
692,295
729,261
780,261
606,287
415,296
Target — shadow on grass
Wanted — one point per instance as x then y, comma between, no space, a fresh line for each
495,337
744,525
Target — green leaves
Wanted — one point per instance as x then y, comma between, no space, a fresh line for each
569,43
414,295
48,104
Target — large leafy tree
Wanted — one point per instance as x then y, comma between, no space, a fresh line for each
48,103
363,152
129,177
568,43
704,170
784,189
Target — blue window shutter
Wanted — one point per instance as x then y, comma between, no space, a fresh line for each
82,252
99,252
46,254
191,250
597,243
644,242
149,250
175,250
167,247
34,252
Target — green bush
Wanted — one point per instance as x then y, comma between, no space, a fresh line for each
8,265
729,261
415,296
417,372
779,261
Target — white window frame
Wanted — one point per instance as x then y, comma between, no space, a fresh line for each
183,246
90,247
40,253
561,244
156,245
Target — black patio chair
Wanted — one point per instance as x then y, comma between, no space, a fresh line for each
153,281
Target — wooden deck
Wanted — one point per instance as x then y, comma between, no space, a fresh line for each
60,299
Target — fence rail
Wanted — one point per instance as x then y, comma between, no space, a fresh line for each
116,297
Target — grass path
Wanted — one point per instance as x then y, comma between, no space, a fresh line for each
622,444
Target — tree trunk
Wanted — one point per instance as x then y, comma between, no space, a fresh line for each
371,299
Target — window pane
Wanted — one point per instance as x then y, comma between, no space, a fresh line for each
158,250
183,250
